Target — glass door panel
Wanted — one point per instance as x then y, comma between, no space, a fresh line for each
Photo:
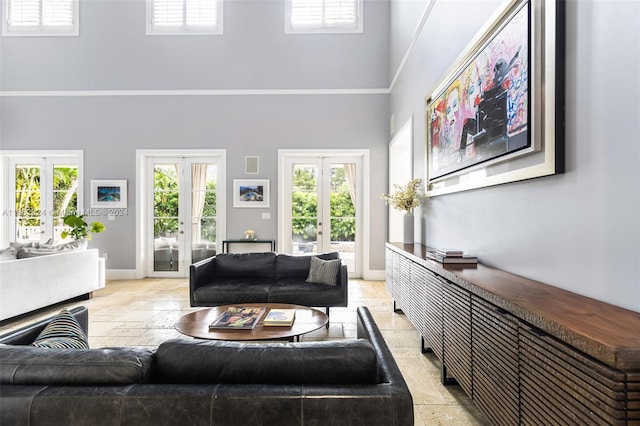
304,209
166,212
65,197
29,223
342,211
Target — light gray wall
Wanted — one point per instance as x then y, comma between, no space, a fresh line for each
404,17
112,53
578,231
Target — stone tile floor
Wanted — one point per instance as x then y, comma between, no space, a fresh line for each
143,312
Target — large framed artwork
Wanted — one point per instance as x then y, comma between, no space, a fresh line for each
498,115
251,193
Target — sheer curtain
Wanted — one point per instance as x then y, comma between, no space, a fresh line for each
350,175
198,193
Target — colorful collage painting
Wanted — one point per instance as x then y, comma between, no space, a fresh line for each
483,113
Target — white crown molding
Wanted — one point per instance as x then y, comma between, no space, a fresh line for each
213,92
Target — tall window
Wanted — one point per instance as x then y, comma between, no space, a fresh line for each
41,191
40,17
328,16
184,17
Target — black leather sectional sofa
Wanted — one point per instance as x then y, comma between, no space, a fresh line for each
264,277
191,382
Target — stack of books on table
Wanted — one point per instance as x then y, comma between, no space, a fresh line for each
450,256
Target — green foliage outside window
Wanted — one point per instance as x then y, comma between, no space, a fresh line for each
28,203
165,201
343,221
305,206
28,195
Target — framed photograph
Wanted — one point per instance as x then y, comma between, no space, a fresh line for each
498,116
108,194
251,193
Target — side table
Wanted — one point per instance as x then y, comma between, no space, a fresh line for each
226,243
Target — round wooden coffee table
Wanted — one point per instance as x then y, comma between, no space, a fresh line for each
196,324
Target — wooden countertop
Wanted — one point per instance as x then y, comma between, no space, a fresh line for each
606,332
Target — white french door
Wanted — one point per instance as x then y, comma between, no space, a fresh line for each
321,207
184,205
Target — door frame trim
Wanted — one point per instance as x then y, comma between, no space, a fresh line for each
142,207
364,154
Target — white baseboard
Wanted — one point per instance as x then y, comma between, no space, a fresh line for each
121,274
377,275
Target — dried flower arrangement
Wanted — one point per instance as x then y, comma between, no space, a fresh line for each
404,198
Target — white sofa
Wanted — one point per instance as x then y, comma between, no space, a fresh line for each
36,282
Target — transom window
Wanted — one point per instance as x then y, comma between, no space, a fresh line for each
184,17
323,16
40,18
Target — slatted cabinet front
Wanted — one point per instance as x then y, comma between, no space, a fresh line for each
513,372
496,384
563,386
457,335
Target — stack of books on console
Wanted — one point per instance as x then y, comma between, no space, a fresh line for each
450,256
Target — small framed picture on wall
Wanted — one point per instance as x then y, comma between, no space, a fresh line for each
108,194
251,193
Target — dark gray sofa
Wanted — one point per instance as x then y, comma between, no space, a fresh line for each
263,277
191,382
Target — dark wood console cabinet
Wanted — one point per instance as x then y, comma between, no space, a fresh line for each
525,352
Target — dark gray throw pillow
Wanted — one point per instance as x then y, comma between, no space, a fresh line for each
324,271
